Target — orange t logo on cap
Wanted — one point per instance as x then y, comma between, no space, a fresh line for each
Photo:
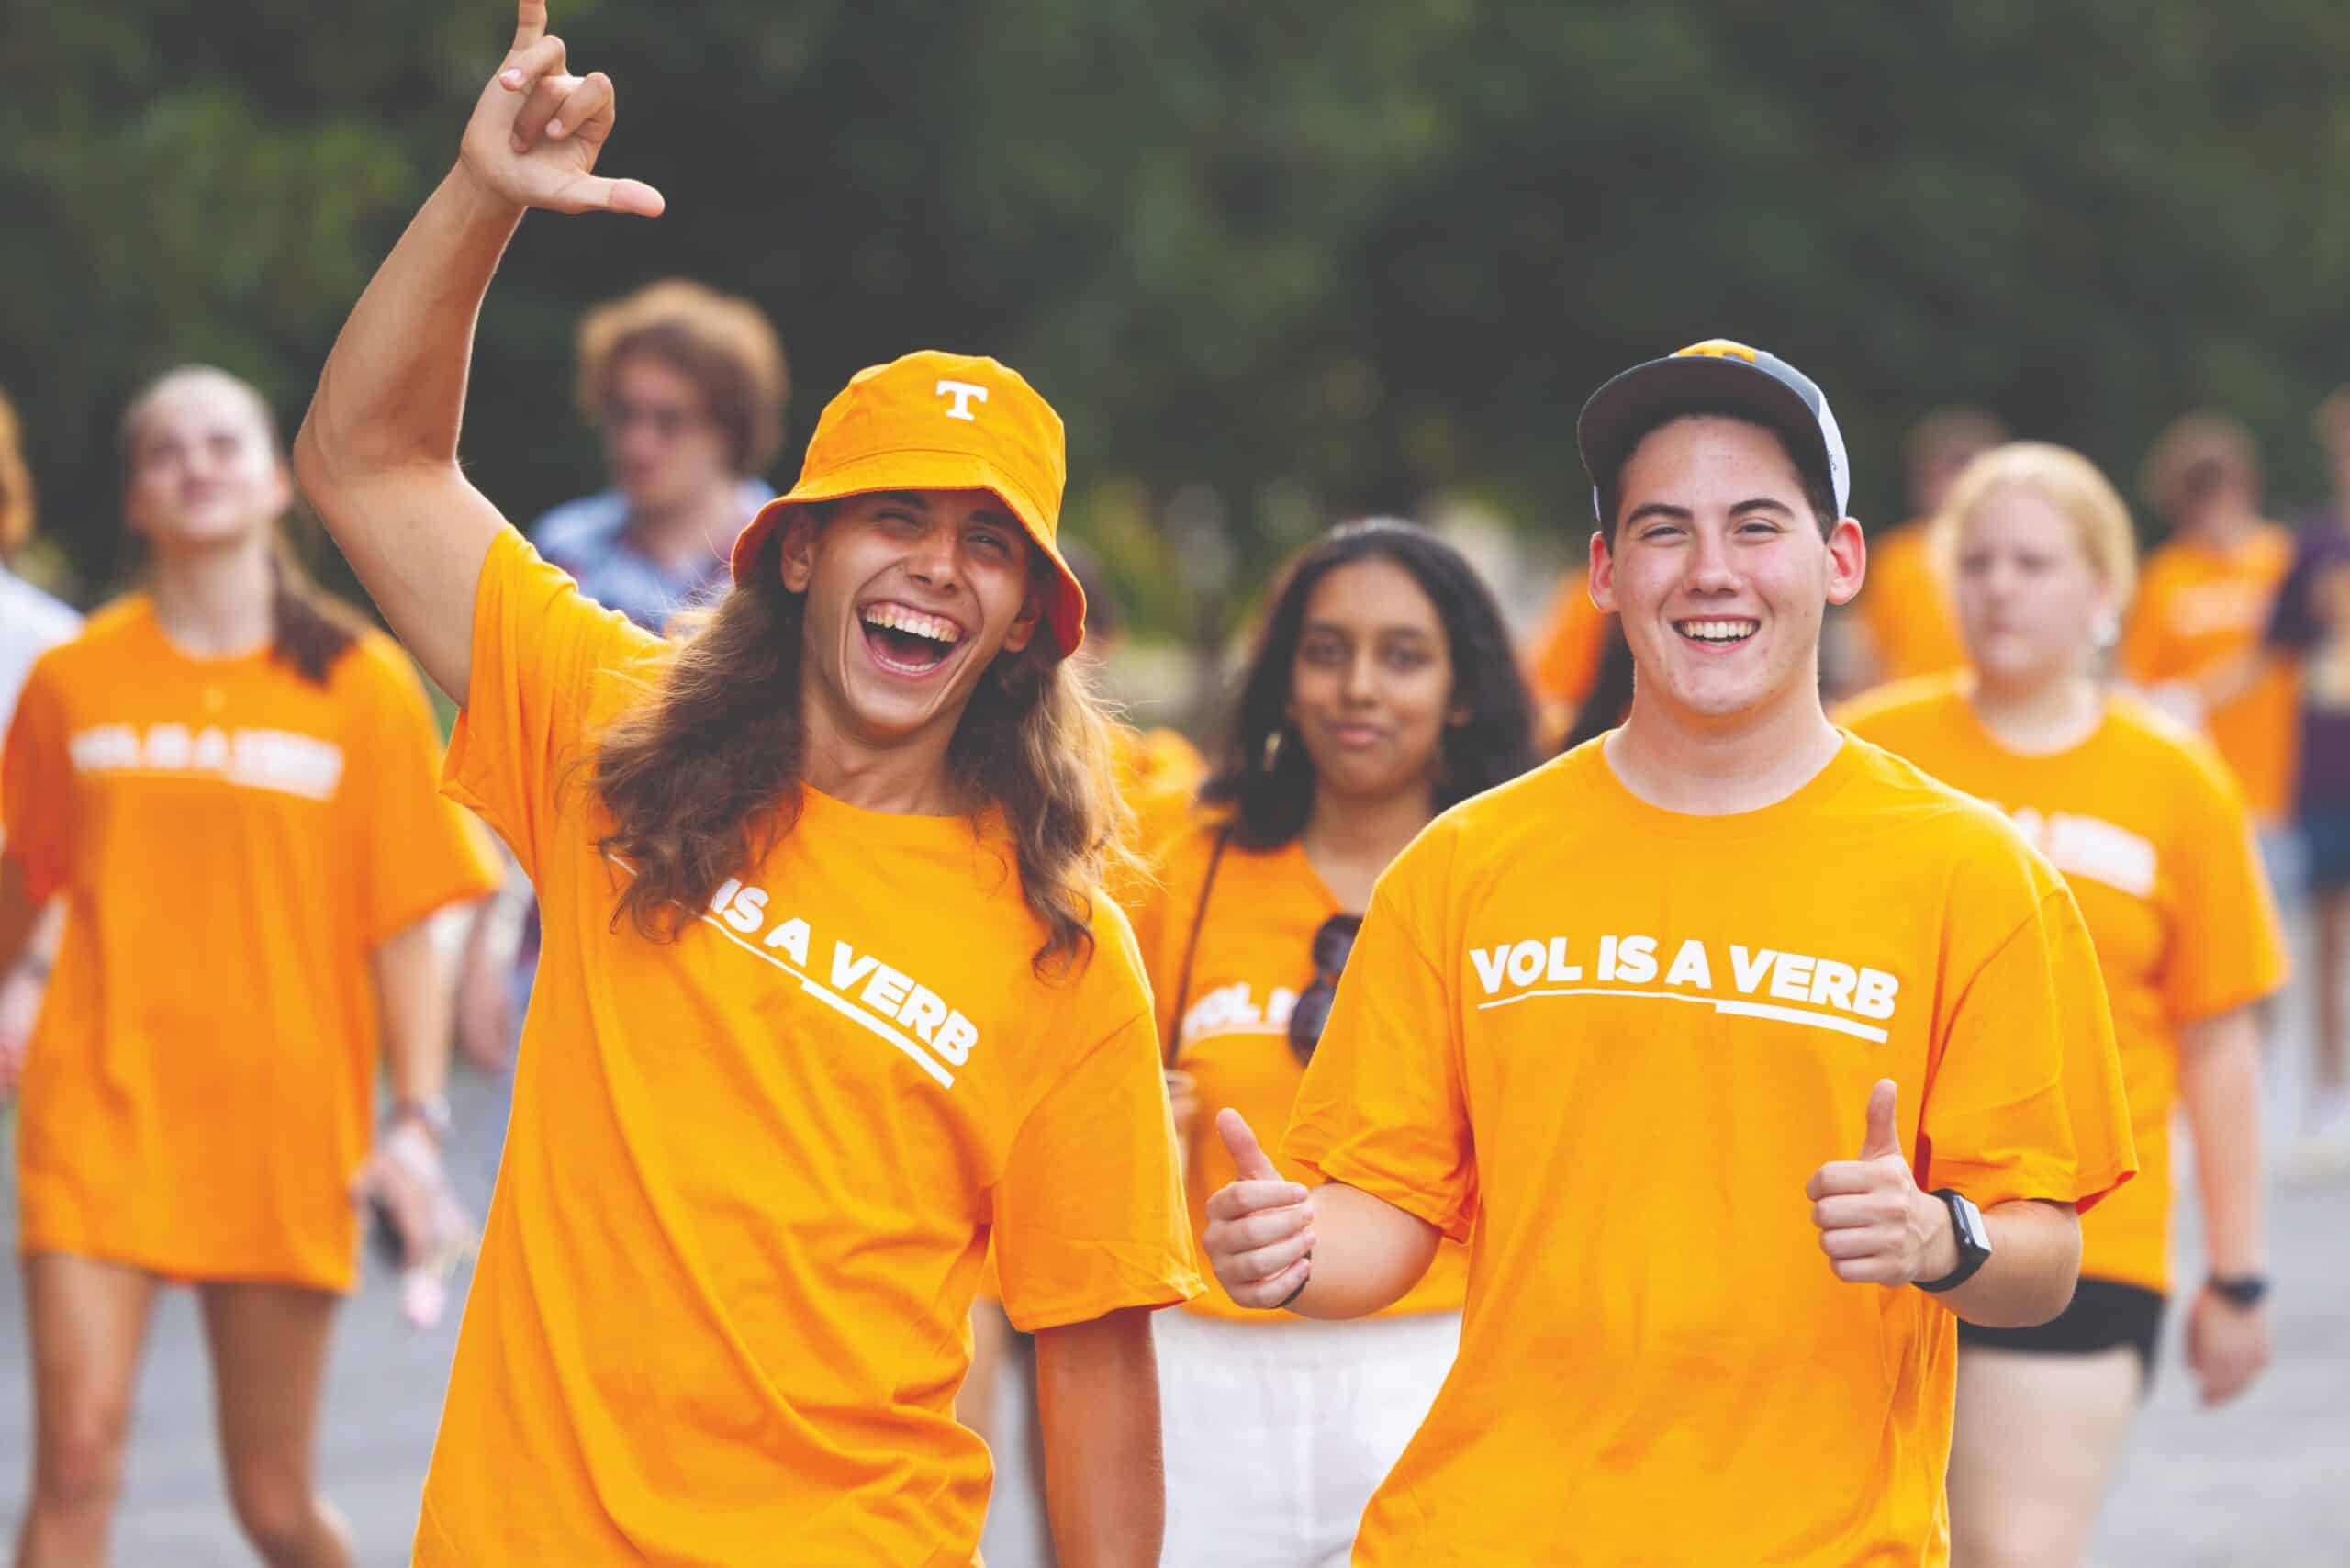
962,392
1718,348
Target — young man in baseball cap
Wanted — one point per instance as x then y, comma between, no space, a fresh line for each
829,995
1745,1056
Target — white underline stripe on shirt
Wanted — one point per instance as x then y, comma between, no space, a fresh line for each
1720,1004
842,1005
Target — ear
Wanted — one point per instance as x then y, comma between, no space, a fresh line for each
1023,629
798,545
1848,561
1602,573
282,495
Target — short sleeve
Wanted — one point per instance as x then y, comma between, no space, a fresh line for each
2024,1099
539,647
36,787
1382,1107
2227,946
1090,1216
419,853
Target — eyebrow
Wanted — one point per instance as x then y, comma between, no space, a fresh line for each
1342,629
921,503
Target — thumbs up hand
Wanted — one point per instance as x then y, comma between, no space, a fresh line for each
1259,1237
1875,1224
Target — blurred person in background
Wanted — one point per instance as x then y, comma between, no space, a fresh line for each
2311,630
689,388
230,784
754,1167
2149,830
1562,663
2194,642
1553,1044
32,623
1381,692
1902,624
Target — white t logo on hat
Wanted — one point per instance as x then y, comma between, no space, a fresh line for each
962,392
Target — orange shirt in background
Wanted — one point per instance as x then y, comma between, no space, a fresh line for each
1615,1042
233,843
2200,608
2147,827
1255,953
1159,775
1564,661
722,1310
1905,606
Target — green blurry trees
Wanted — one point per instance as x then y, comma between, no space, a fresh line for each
1274,260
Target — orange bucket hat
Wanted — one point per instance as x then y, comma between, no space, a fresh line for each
941,421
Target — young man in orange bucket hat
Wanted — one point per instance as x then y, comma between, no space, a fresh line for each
829,994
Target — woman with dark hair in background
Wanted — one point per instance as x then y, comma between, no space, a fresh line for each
231,787
1381,690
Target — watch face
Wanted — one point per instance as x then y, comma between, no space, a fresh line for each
1971,1237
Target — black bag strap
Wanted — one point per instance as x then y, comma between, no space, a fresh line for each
1191,947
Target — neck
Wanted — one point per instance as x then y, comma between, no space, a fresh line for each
215,602
1349,840
699,527
2223,527
1718,768
2043,716
907,777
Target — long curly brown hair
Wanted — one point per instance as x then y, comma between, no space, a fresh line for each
704,775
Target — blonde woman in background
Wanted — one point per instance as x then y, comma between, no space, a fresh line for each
2153,835
227,783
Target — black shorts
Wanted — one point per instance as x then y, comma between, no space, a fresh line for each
2105,1313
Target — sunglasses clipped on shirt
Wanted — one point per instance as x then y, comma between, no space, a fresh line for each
1332,944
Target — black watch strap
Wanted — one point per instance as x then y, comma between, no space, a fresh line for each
1973,1241
2244,1290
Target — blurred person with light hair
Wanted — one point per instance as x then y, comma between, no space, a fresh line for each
32,623
229,783
1903,626
2309,629
687,387
2194,641
2151,833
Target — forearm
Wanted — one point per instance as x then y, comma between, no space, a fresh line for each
2219,1086
1097,1403
21,918
1367,1254
2035,1261
413,997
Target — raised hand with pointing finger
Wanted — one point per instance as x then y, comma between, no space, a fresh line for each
537,130
1259,1237
1876,1225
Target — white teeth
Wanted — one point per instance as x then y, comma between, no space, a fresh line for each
899,618
1718,631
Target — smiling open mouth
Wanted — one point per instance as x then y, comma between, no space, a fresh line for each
1723,632
906,641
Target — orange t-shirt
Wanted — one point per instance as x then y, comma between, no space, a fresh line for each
1905,605
231,843
722,1309
2148,829
1159,774
1255,953
1616,1041
2198,607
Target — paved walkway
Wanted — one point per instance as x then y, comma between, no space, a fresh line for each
2264,1483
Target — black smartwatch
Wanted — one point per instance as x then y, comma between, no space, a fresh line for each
1973,1241
2242,1290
